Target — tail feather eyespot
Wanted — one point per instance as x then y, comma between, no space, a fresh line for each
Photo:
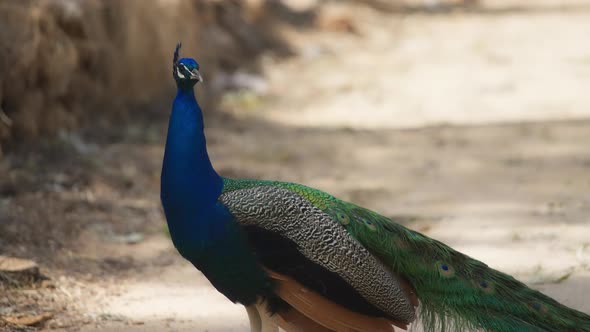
370,225
485,285
343,218
445,270
539,307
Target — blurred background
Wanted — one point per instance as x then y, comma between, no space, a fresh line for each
466,120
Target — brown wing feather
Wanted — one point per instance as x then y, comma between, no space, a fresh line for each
294,321
327,313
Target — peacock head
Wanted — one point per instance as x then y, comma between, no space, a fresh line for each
185,70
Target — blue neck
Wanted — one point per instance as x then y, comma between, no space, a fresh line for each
189,184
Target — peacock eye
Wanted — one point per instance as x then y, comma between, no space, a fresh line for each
540,308
179,73
445,270
344,219
370,225
485,285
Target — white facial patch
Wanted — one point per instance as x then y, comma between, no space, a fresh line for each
179,74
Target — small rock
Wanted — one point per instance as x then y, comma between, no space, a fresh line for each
47,284
28,320
16,270
13,264
130,238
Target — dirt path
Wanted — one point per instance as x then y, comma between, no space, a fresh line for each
487,191
336,117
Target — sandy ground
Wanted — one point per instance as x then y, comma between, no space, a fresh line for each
467,126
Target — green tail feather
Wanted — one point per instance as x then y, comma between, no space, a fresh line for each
456,292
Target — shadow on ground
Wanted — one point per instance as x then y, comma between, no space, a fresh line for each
513,195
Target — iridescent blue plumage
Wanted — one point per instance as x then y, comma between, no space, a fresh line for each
201,228
190,185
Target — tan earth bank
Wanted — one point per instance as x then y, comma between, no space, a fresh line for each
78,61
470,126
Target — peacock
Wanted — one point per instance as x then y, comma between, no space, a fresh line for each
303,260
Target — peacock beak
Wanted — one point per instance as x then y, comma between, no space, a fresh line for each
195,75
